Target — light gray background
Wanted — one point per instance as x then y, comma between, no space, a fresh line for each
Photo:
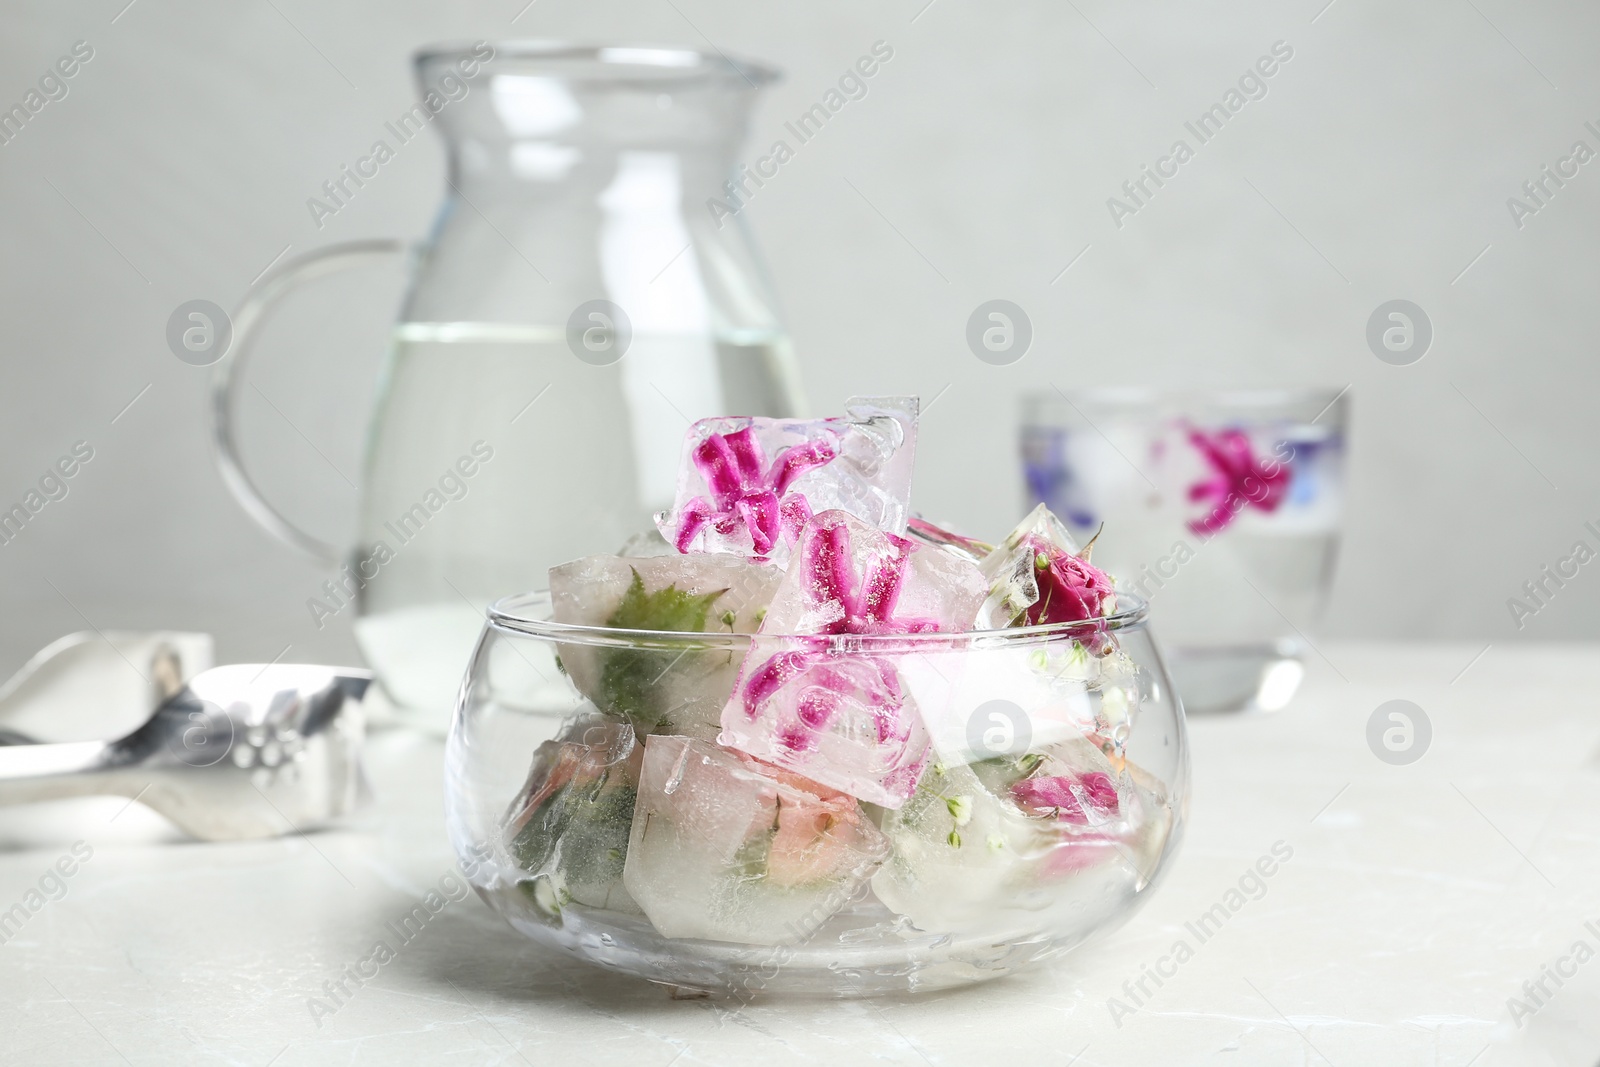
1380,161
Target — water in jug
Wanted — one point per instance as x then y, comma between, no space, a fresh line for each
584,295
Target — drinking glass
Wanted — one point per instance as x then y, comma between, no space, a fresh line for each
1221,508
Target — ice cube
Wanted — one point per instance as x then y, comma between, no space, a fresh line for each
968,548
833,709
748,485
1038,574
728,849
993,699
850,577
646,543
839,716
983,701
670,689
568,828
1110,679
1102,809
955,849
1073,783
982,846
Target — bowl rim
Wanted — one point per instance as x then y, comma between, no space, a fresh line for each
511,614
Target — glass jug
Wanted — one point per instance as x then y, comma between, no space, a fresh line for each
587,291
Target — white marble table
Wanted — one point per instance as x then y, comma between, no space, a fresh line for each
1417,900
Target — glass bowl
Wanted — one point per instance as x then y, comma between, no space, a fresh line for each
1052,798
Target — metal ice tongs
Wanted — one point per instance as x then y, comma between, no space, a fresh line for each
242,751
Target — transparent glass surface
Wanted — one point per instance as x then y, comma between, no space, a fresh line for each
1222,509
514,430
672,860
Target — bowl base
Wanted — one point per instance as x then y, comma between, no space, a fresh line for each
864,951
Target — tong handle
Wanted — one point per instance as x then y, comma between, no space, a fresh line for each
50,772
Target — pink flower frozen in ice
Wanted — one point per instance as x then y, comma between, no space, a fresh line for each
1081,799
829,685
821,686
848,604
1087,801
744,489
814,833
1071,589
1239,478
1079,852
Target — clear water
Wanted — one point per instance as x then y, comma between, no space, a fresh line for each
1237,588
495,453
1232,616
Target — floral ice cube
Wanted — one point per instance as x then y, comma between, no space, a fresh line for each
849,577
976,847
956,849
728,849
841,717
666,690
568,828
824,706
1102,809
1038,574
748,485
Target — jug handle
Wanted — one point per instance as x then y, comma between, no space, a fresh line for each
227,377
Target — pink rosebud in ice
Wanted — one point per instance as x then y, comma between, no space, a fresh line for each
812,842
1071,589
1079,799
